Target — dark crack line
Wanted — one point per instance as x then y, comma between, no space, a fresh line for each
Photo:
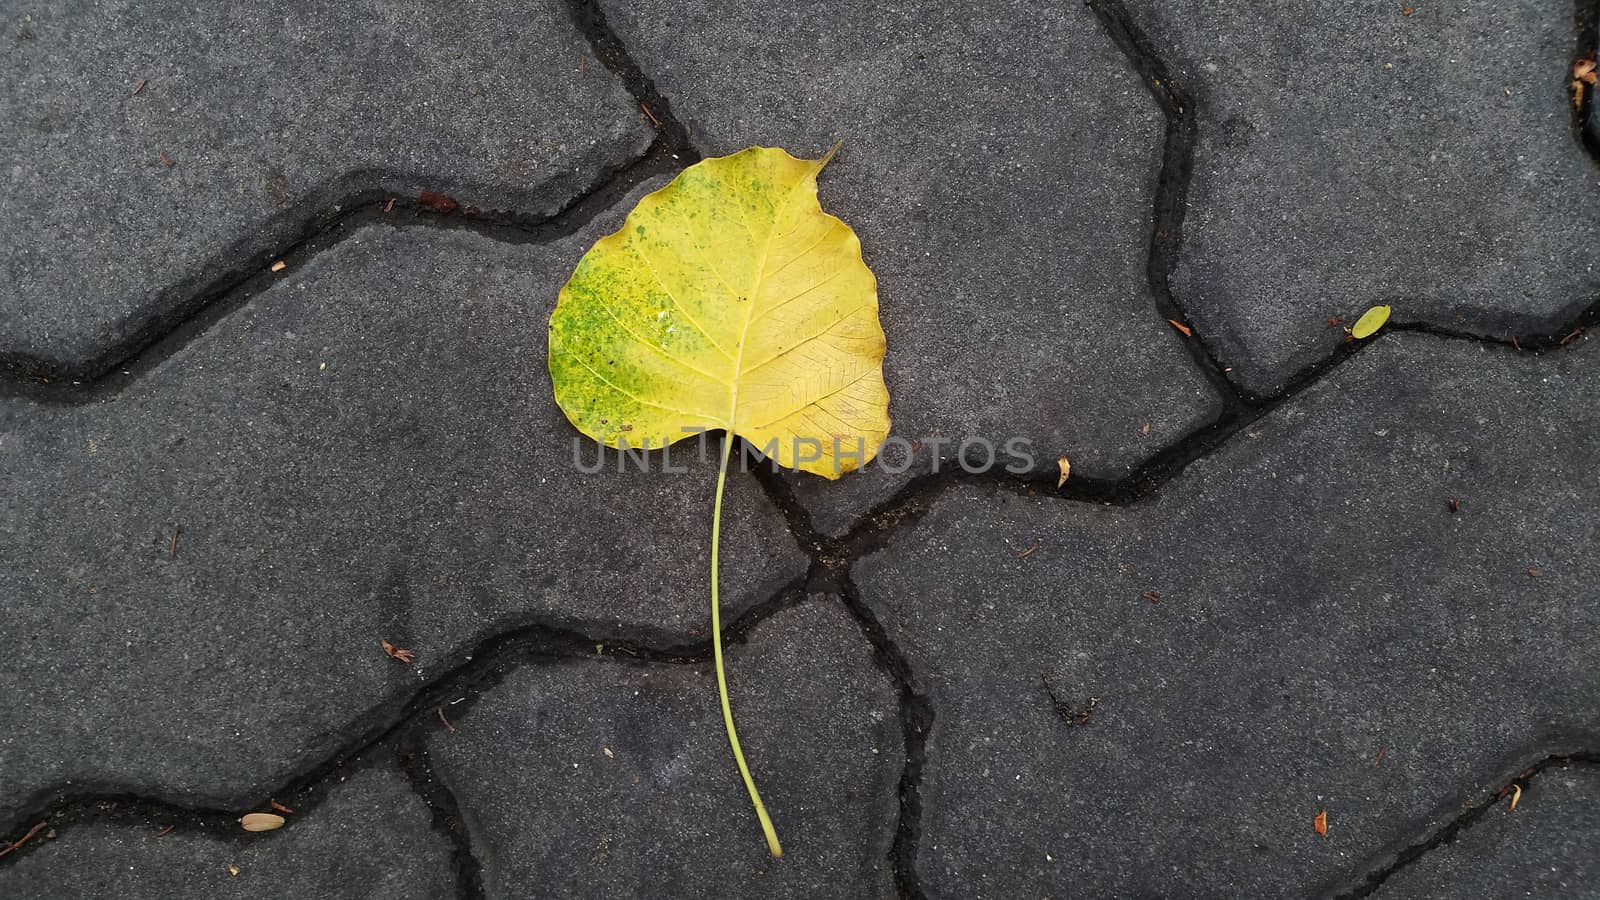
155,341
161,335
916,721
395,731
1172,185
1394,860
830,573
608,48
1172,198
411,755
875,529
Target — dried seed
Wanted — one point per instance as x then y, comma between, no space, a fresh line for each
261,821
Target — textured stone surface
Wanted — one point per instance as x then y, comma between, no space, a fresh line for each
1548,847
371,838
999,165
1316,604
268,112
590,778
1350,155
368,451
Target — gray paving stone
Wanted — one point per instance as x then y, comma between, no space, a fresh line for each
368,451
999,165
594,779
1350,155
1314,605
371,838
268,113
1548,847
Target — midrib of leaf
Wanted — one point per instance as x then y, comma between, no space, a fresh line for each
755,289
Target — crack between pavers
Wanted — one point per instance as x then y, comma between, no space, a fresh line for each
608,48
393,726
830,574
152,342
1172,196
1172,185
411,756
1392,861
875,529
320,230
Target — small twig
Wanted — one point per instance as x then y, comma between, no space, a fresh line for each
443,720
166,831
173,552
652,116
24,839
1028,552
139,88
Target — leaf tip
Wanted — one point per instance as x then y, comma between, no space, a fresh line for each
828,157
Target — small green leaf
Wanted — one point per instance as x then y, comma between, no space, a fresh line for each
1370,322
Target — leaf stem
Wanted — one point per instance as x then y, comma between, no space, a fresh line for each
716,652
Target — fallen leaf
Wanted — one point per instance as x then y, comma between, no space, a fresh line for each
1066,470
166,160
405,656
437,202
1534,573
1516,797
609,754
261,821
1145,429
279,266
233,869
728,301
710,299
1183,329
1408,11
1370,322
1320,823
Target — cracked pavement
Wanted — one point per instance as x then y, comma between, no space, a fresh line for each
272,394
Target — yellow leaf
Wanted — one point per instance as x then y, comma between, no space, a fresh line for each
1065,466
728,300
1370,322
